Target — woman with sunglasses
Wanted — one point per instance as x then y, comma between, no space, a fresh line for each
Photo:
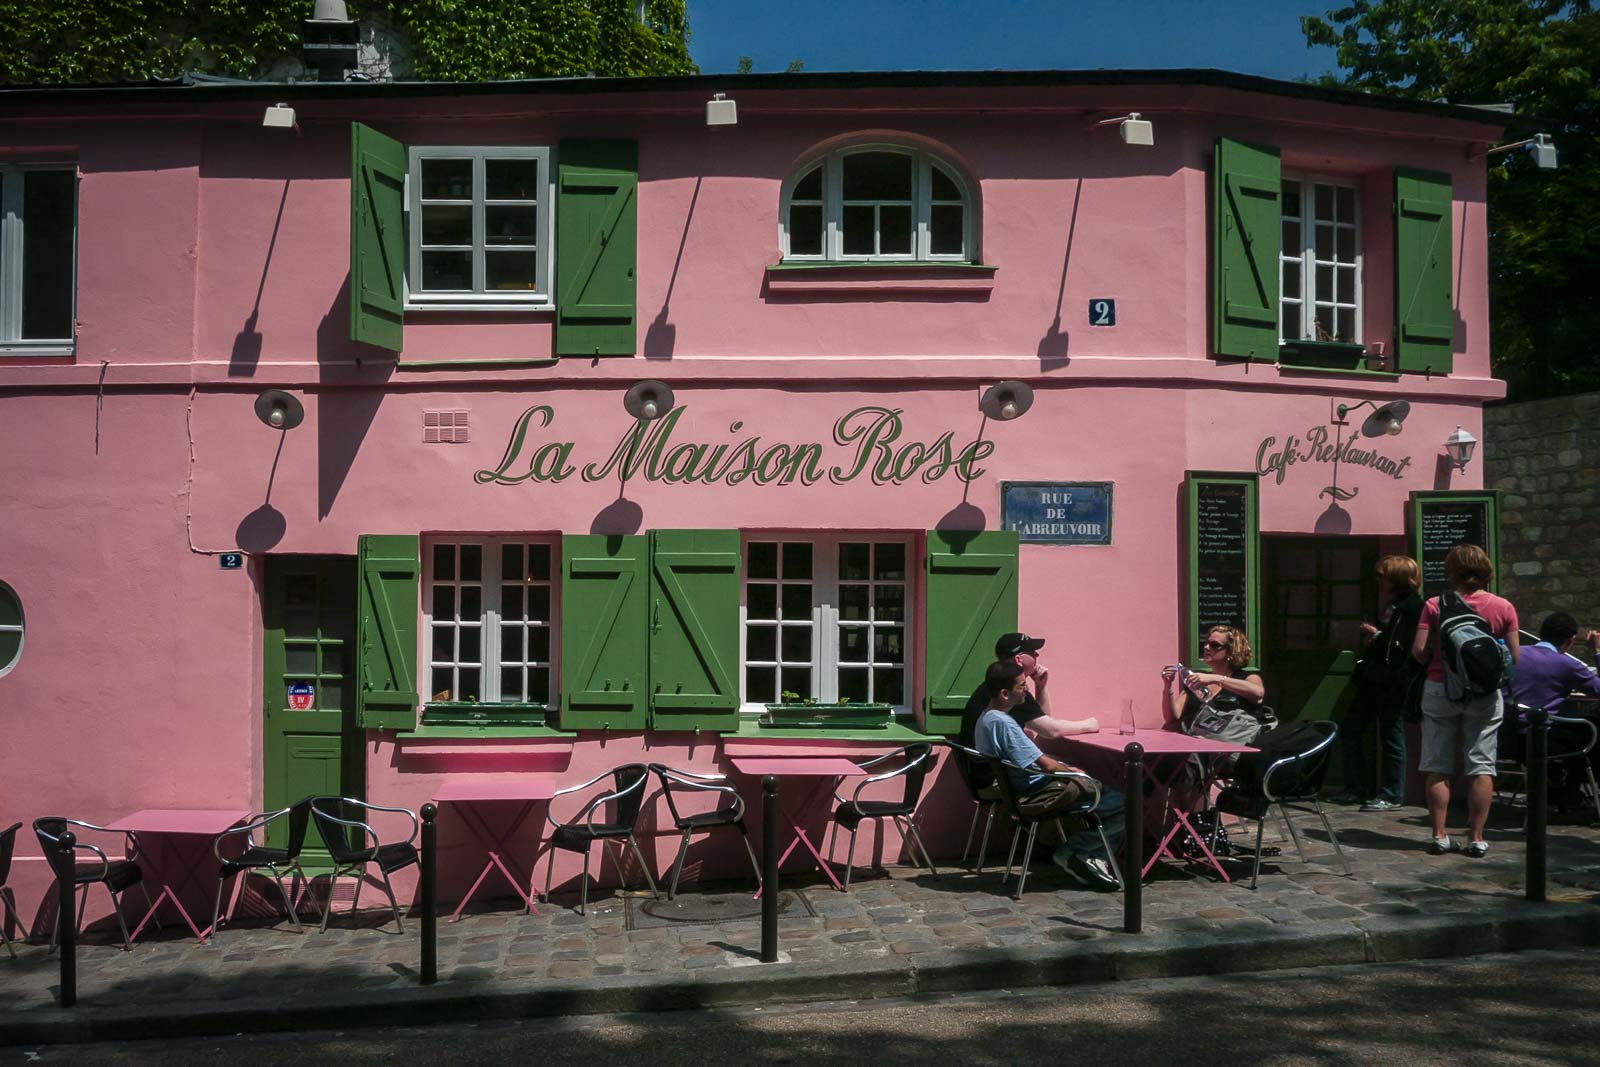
1224,686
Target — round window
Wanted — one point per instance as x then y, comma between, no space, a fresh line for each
10,628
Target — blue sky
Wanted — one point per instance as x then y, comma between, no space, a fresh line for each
1250,36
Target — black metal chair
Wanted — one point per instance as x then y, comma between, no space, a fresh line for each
8,908
1287,782
329,813
118,876
1083,811
723,815
582,831
917,759
973,766
260,860
1571,741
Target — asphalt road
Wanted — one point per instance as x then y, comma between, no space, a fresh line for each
1529,1008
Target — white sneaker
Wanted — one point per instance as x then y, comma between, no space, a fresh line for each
1477,849
1441,845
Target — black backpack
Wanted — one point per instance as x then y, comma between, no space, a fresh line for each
1279,743
1475,664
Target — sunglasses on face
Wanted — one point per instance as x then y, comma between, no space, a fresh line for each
1215,646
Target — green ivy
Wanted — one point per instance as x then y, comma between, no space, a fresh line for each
56,41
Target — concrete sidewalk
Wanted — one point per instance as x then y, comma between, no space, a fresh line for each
896,932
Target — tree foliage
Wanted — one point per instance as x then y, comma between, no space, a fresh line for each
55,41
1544,226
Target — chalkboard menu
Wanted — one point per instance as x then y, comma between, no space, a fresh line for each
1222,563
1441,520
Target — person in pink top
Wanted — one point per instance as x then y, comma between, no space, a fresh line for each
1470,727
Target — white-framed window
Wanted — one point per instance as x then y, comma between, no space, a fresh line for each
11,627
489,625
826,618
889,203
38,258
1319,278
480,229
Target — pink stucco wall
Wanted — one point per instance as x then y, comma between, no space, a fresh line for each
212,263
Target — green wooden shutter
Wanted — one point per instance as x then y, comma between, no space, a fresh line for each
377,237
694,629
604,656
971,599
597,222
1424,328
1247,233
386,631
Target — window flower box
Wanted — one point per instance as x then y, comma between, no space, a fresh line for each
805,713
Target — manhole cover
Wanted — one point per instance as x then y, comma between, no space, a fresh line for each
708,908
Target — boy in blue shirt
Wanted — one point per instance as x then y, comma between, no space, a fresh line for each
1082,855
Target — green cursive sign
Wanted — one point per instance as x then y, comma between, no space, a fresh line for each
872,437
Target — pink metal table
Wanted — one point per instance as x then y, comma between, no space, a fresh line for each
819,768
1159,743
469,798
196,828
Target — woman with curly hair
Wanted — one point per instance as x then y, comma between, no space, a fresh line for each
1224,687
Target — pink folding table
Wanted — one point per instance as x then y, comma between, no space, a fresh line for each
469,798
1156,744
188,833
817,768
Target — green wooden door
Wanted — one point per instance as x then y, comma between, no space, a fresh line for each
1318,592
309,623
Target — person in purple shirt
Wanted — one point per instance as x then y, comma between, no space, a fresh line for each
1546,675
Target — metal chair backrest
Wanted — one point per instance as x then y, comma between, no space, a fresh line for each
299,823
629,794
973,767
1008,791
8,846
332,815
1300,776
671,784
918,759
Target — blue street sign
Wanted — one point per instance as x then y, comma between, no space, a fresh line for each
1057,513
231,561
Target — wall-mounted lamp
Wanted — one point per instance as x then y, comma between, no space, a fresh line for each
1385,420
1132,129
720,111
279,410
1004,401
1458,447
1539,146
648,399
280,117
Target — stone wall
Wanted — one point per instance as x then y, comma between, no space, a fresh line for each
1544,458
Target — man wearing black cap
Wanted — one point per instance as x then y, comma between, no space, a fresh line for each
1033,713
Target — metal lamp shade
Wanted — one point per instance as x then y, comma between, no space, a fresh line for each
1386,420
1004,401
1458,446
648,399
279,410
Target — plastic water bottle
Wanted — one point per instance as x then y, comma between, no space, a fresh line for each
1125,723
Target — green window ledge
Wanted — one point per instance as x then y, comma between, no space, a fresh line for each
927,265
488,733
749,727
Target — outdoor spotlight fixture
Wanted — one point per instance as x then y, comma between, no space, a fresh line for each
648,399
721,111
1386,420
1458,447
1004,401
279,410
1540,146
1132,129
280,116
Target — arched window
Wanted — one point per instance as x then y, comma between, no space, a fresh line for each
10,628
879,203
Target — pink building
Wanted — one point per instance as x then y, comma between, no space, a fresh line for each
471,561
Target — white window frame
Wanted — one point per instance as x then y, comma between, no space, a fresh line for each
20,628
480,298
489,643
11,275
1310,299
825,583
922,202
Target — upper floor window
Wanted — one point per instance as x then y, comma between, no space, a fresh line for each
11,627
38,223
479,226
878,203
1320,262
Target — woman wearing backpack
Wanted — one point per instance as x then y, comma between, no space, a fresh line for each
1461,716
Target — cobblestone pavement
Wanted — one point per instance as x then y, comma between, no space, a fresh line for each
899,911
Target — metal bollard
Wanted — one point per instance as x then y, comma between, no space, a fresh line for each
430,913
67,918
769,869
1538,766
1133,842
